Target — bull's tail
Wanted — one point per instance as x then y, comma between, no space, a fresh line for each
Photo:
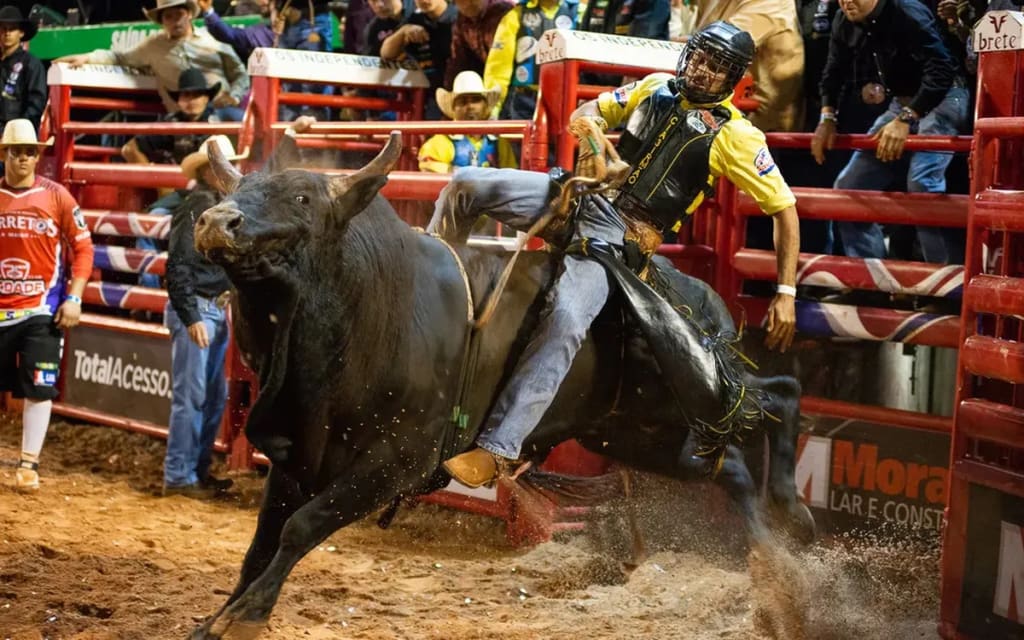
582,491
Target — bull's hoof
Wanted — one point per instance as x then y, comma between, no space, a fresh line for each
795,520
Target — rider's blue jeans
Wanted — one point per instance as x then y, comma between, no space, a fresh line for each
518,198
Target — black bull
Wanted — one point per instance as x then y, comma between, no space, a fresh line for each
356,324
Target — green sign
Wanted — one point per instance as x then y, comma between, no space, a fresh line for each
53,42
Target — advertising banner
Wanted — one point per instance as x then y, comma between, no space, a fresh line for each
992,602
861,476
118,373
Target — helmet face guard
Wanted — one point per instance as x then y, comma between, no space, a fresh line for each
712,62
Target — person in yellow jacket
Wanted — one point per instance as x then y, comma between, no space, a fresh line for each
468,100
511,64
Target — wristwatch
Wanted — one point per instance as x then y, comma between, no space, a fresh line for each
907,115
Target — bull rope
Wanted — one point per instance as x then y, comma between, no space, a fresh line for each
459,420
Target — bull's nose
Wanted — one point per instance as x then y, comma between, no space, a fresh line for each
217,227
226,221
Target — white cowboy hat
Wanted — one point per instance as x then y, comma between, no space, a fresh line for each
196,160
467,82
154,13
21,132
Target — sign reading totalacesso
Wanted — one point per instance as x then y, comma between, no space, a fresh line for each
122,374
861,475
999,31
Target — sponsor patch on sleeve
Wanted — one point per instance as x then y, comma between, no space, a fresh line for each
79,218
764,162
621,94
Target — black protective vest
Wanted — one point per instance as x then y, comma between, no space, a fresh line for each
667,148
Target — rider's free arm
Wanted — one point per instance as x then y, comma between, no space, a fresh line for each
740,153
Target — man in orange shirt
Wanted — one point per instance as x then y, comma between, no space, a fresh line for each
39,222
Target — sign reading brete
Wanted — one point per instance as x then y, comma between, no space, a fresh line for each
564,44
999,31
318,66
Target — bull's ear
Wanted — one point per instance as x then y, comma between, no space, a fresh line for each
286,155
357,197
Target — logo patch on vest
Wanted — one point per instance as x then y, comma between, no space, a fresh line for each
764,162
563,22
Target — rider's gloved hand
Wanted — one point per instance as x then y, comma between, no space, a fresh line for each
591,162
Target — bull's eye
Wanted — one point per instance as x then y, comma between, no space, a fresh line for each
302,199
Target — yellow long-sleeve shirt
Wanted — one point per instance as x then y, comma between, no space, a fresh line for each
739,151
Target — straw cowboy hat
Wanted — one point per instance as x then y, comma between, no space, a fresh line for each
154,13
20,132
467,82
12,15
192,79
198,159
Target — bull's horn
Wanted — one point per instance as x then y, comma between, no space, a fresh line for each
379,166
226,172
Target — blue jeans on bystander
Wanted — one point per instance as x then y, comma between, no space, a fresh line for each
199,395
926,174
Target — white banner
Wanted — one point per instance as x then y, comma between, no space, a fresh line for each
343,68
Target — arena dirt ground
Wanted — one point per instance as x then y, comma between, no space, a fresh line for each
96,554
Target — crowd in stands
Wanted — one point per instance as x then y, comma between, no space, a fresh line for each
821,66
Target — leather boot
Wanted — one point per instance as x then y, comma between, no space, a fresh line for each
27,475
474,468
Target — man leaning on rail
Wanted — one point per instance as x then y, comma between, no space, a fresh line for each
681,134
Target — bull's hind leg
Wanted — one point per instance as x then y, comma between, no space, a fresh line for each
346,500
782,426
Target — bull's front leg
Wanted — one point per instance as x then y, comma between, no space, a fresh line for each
346,500
282,497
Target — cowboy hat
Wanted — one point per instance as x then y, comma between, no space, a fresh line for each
20,132
467,82
196,160
12,15
154,13
192,79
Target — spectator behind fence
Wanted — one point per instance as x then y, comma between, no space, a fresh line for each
197,292
45,231
682,19
468,100
426,37
294,30
242,39
388,15
24,92
194,105
636,18
473,34
511,65
178,46
357,17
779,63
911,68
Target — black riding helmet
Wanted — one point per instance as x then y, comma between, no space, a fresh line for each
726,48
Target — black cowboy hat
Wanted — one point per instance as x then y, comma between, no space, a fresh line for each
12,15
192,79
